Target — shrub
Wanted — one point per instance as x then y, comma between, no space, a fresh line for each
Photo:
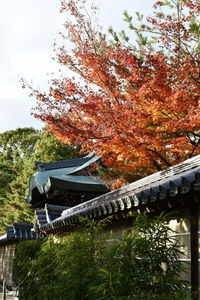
142,264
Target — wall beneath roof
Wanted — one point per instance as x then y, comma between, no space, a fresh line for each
7,253
182,228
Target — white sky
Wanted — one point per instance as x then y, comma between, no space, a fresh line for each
28,29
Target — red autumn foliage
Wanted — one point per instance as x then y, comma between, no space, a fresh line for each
139,111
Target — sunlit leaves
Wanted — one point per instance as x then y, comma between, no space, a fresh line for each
136,106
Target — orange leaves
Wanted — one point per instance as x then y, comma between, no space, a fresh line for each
58,96
138,113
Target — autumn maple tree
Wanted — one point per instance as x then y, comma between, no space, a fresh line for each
135,105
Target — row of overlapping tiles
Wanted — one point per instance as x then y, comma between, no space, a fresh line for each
177,180
19,231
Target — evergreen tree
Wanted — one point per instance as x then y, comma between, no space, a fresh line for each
19,149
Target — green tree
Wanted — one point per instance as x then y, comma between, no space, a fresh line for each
48,148
19,149
16,146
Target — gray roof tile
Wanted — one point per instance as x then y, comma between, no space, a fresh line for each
156,188
47,215
62,164
19,231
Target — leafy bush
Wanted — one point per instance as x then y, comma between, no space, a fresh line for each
142,264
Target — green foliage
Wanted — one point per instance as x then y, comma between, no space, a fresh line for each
48,148
26,270
142,264
16,150
195,27
60,270
167,13
19,149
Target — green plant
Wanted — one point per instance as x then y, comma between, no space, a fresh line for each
86,265
143,264
60,268
25,267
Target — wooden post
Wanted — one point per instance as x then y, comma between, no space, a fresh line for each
4,290
194,243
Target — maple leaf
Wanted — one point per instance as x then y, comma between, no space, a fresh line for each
139,110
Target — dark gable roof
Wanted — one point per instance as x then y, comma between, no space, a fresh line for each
62,164
165,185
18,232
76,183
63,176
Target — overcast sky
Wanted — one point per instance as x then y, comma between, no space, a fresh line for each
28,29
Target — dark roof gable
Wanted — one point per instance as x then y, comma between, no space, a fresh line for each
61,164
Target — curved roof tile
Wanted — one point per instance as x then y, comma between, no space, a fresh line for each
177,180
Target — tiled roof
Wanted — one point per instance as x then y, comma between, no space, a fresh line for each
48,214
62,164
75,182
165,185
19,231
63,175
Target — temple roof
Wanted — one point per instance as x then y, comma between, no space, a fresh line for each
67,175
48,214
18,232
69,163
166,188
